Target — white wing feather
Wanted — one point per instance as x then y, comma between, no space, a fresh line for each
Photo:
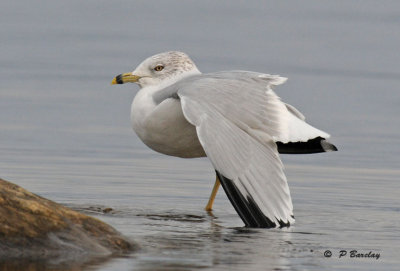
247,97
234,125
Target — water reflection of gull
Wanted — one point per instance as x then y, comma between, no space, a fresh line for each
235,119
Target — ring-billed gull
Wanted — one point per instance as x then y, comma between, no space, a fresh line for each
232,117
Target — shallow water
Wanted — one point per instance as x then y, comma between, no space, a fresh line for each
65,132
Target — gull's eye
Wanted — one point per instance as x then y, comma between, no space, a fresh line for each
158,68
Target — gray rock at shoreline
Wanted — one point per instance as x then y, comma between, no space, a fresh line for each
35,227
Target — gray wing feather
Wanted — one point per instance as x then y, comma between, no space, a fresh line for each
217,106
295,112
244,98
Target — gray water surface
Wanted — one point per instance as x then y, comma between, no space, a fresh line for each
65,132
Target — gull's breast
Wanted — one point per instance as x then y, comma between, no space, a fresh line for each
164,128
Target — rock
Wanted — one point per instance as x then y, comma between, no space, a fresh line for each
35,227
107,210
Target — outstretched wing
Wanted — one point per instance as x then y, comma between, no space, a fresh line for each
228,112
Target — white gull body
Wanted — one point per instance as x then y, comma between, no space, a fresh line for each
235,119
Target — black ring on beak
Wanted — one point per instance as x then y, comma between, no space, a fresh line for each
119,80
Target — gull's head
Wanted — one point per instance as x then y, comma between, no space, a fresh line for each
161,69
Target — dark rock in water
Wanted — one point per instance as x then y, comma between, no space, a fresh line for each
107,210
34,227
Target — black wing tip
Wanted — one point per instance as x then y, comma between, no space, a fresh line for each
315,145
247,209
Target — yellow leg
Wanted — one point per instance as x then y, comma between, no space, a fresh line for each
213,194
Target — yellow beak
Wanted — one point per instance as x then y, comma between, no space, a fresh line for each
125,78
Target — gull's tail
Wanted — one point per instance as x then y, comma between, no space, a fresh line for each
301,137
315,145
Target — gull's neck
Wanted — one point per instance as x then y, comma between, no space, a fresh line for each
143,103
